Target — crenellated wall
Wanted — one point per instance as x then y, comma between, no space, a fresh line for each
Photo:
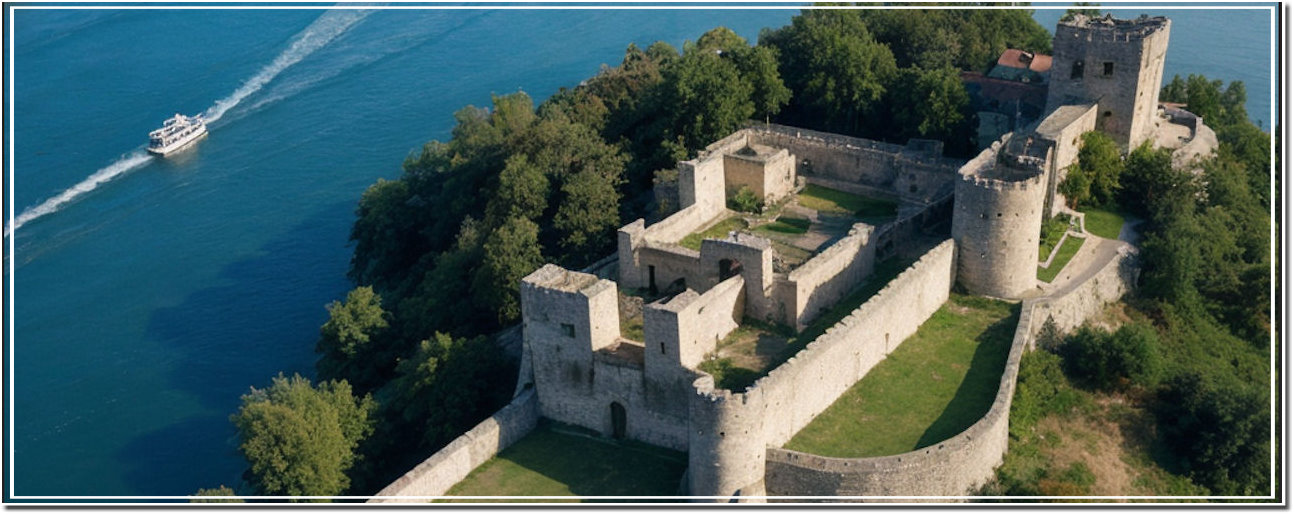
957,466
730,429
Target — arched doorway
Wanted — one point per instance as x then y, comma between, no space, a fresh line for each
617,421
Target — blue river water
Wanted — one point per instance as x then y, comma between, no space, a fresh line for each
149,294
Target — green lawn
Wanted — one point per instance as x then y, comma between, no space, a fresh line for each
719,230
1052,230
1066,252
820,199
787,225
1103,223
934,386
547,462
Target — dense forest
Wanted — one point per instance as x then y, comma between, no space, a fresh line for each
408,359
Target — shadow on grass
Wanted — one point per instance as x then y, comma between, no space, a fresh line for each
979,388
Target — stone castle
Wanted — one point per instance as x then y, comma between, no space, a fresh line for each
578,368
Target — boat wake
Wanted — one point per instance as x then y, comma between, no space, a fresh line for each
319,33
314,37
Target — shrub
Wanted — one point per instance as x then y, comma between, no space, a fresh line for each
746,201
1041,390
1113,362
1219,430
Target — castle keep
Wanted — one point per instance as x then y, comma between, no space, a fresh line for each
973,223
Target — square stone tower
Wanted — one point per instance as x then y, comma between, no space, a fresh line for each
1119,64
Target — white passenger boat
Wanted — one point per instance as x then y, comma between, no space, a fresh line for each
176,133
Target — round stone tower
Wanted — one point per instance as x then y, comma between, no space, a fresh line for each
726,447
997,217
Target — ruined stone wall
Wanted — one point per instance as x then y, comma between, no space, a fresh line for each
671,263
996,224
730,432
820,282
1117,63
444,469
679,331
917,173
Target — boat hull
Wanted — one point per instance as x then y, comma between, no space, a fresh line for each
178,145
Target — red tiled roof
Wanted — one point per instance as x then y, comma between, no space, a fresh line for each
1020,59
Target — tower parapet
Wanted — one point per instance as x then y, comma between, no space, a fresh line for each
726,447
997,215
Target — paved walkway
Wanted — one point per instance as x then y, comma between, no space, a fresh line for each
1095,253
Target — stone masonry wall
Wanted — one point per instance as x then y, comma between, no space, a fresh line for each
996,225
820,282
1117,63
916,174
451,464
730,431
959,465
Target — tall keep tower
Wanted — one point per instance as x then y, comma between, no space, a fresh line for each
1119,64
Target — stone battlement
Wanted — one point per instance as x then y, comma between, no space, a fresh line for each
1111,29
987,170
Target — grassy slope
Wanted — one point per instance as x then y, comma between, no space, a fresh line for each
552,463
1103,223
935,385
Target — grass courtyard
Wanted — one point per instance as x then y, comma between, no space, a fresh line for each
934,386
827,200
548,462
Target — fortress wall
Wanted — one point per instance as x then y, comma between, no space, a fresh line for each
909,172
451,464
739,171
814,378
707,319
671,262
779,175
680,224
828,277
729,431
623,384
1070,308
954,467
959,465
1068,140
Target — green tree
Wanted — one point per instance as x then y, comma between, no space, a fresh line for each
352,342
1150,184
301,440
837,71
1113,362
1219,431
449,385
523,191
220,491
510,253
385,236
1102,165
1076,186
1079,9
933,104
